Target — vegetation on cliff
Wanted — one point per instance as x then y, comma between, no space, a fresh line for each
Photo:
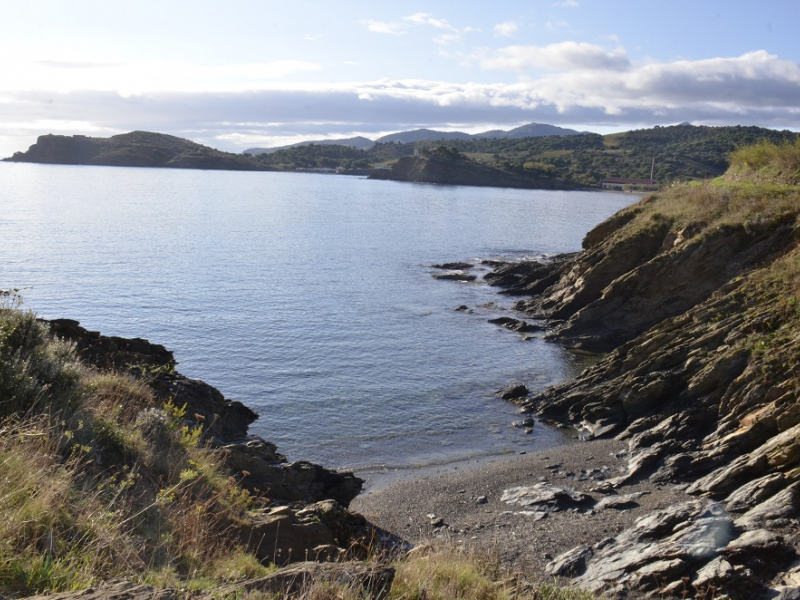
444,165
99,482
119,474
695,292
135,149
677,153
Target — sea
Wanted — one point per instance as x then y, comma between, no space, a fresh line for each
308,297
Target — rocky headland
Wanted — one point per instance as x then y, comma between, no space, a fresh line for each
693,292
308,513
687,483
134,149
446,169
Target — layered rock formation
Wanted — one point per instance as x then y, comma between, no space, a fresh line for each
305,515
135,149
695,294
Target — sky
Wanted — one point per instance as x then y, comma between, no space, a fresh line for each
261,73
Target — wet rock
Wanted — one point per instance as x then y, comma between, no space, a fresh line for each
261,469
514,391
453,266
515,324
455,276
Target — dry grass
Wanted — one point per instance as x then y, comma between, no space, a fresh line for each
767,162
95,481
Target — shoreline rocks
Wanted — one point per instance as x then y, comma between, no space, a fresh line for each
693,383
305,515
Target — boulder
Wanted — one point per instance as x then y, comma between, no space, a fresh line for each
515,391
545,497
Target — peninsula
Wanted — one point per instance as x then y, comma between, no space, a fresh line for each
134,149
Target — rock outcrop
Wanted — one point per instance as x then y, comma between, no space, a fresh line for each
305,517
134,149
694,293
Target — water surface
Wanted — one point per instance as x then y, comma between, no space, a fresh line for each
307,297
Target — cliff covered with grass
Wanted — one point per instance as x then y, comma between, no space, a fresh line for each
113,465
134,149
694,291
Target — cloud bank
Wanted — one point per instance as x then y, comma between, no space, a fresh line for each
583,84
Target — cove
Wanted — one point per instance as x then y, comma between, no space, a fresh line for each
310,298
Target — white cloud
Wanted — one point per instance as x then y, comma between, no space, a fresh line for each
428,19
563,55
506,29
754,88
420,19
385,27
447,38
567,4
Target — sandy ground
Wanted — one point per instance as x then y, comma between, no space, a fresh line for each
446,503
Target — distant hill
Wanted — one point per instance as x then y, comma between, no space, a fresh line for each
135,149
421,135
447,166
424,135
359,142
529,130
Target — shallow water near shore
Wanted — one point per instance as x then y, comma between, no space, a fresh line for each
310,298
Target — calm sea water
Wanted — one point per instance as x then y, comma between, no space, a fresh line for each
307,297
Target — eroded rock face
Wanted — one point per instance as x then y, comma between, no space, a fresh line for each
307,517
693,548
697,384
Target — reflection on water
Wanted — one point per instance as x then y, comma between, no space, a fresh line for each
307,297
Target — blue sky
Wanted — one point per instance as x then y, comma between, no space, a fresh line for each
261,73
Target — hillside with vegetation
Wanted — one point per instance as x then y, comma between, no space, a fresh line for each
135,149
677,153
694,294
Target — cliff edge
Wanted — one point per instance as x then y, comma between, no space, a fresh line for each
134,149
694,294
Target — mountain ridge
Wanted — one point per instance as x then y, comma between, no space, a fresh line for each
423,135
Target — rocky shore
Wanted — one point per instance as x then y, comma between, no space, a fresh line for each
693,293
688,483
305,515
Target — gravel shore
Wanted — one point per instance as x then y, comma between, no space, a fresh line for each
462,503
